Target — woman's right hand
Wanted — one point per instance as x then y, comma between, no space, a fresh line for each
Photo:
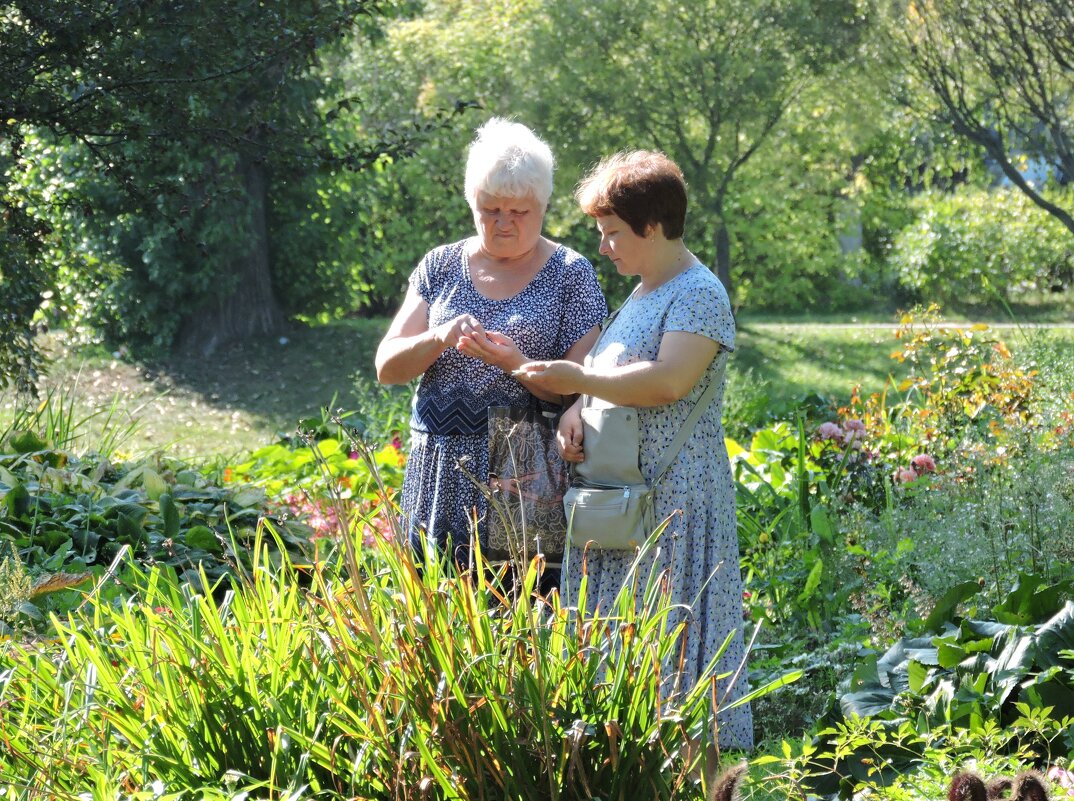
448,333
569,434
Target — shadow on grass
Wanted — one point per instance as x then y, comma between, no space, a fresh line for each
241,398
796,362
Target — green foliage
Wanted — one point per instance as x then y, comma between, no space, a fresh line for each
747,63
385,677
979,675
806,766
166,134
63,514
24,280
15,585
975,244
180,689
999,74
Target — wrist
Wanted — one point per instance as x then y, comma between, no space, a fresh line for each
512,363
439,337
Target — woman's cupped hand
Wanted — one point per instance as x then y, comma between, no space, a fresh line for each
569,434
491,347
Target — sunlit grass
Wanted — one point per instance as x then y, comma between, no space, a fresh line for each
245,397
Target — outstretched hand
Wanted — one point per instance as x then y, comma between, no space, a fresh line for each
562,377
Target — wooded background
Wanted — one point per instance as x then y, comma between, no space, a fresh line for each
184,175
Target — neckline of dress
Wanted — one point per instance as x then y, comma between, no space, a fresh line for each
464,261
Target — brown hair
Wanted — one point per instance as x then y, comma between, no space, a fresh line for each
642,188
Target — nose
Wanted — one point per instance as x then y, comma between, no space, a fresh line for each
603,249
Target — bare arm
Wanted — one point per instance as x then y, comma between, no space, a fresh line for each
410,347
680,363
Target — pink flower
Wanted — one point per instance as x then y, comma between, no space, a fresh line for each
853,438
397,442
854,425
1064,778
353,455
906,475
830,430
923,463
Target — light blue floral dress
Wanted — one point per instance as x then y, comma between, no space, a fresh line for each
699,548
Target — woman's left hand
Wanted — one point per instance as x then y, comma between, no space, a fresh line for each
562,377
491,347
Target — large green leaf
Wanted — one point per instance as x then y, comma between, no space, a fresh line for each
945,608
1032,601
867,703
1055,636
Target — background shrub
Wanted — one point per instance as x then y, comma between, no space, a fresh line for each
973,244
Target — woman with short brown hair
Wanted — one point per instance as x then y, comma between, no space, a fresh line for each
669,342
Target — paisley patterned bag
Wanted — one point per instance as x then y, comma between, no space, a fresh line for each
527,480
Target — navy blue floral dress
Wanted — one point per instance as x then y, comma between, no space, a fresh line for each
450,411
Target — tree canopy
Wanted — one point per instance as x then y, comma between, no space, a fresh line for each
1001,73
152,131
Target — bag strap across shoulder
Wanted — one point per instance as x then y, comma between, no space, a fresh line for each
586,399
685,431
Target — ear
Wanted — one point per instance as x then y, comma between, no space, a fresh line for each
999,788
726,787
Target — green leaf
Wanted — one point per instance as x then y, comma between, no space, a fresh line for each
1031,601
155,486
129,529
203,537
917,675
944,610
169,515
17,501
26,442
812,581
251,496
821,524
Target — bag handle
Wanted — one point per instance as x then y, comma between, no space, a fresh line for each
587,399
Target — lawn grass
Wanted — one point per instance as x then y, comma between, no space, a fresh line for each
246,396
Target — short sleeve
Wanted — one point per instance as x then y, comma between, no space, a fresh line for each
702,307
428,277
583,302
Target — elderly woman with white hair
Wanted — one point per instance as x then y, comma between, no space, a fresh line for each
475,311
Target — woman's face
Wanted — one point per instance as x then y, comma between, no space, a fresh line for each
508,226
627,251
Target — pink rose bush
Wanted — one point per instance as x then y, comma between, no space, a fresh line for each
905,475
830,431
860,458
851,433
923,463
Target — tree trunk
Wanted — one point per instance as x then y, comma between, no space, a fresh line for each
249,309
723,257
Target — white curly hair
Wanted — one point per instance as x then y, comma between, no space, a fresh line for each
507,159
